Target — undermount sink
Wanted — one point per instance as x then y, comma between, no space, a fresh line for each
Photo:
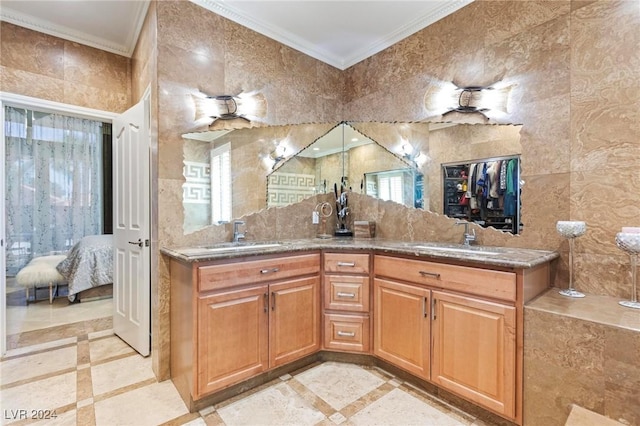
482,251
231,247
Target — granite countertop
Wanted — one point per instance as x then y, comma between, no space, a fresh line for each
481,255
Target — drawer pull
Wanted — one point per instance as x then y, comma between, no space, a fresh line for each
430,274
267,271
346,334
349,264
346,295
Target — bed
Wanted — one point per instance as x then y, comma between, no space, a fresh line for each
89,264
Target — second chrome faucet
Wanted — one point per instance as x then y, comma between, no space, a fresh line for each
467,238
237,235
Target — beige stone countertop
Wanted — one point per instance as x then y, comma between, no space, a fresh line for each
481,255
594,308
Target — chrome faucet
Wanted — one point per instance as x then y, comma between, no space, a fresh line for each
237,235
467,238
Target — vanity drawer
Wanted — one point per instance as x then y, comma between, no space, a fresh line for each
243,271
346,263
346,293
481,282
346,332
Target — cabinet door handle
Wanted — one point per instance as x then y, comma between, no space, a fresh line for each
266,302
267,271
273,300
424,307
433,309
430,274
346,295
346,334
349,264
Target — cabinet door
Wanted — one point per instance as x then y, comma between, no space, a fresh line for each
294,329
402,325
232,337
474,350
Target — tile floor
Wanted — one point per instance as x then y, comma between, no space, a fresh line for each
77,369
96,379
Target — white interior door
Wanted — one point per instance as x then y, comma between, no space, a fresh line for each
131,230
3,277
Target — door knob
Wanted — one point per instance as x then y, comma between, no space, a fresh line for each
137,243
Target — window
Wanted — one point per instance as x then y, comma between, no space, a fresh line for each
390,187
221,184
54,183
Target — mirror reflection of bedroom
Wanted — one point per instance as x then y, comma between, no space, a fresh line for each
59,252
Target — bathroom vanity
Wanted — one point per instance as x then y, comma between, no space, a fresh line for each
450,316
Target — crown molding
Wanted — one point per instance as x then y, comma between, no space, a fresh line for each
287,38
278,34
61,31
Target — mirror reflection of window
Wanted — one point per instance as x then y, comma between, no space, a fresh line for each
390,188
221,184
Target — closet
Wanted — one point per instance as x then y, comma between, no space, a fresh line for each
484,191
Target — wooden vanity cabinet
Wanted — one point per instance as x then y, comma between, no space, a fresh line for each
234,320
474,350
346,304
232,343
457,326
402,325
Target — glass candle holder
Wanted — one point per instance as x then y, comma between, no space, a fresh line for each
571,230
630,243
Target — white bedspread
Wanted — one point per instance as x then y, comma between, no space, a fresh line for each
89,264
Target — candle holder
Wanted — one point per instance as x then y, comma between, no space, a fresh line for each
571,230
630,243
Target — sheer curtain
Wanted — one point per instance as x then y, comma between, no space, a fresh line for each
53,183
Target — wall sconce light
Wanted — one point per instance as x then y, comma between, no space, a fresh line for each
244,106
487,100
278,155
224,107
413,155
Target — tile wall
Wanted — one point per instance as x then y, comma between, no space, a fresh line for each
46,67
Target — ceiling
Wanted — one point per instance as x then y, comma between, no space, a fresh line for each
339,33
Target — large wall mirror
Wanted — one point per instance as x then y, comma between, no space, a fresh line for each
252,169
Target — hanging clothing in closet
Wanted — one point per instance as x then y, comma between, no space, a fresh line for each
512,186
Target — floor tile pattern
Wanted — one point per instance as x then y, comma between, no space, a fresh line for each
96,379
85,375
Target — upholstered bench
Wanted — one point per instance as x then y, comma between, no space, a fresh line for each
41,272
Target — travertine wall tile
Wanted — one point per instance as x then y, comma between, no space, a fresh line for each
545,149
569,360
95,97
601,198
31,51
31,84
622,375
96,68
46,67
509,17
143,58
563,364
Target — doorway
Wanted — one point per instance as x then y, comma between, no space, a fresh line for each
33,323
